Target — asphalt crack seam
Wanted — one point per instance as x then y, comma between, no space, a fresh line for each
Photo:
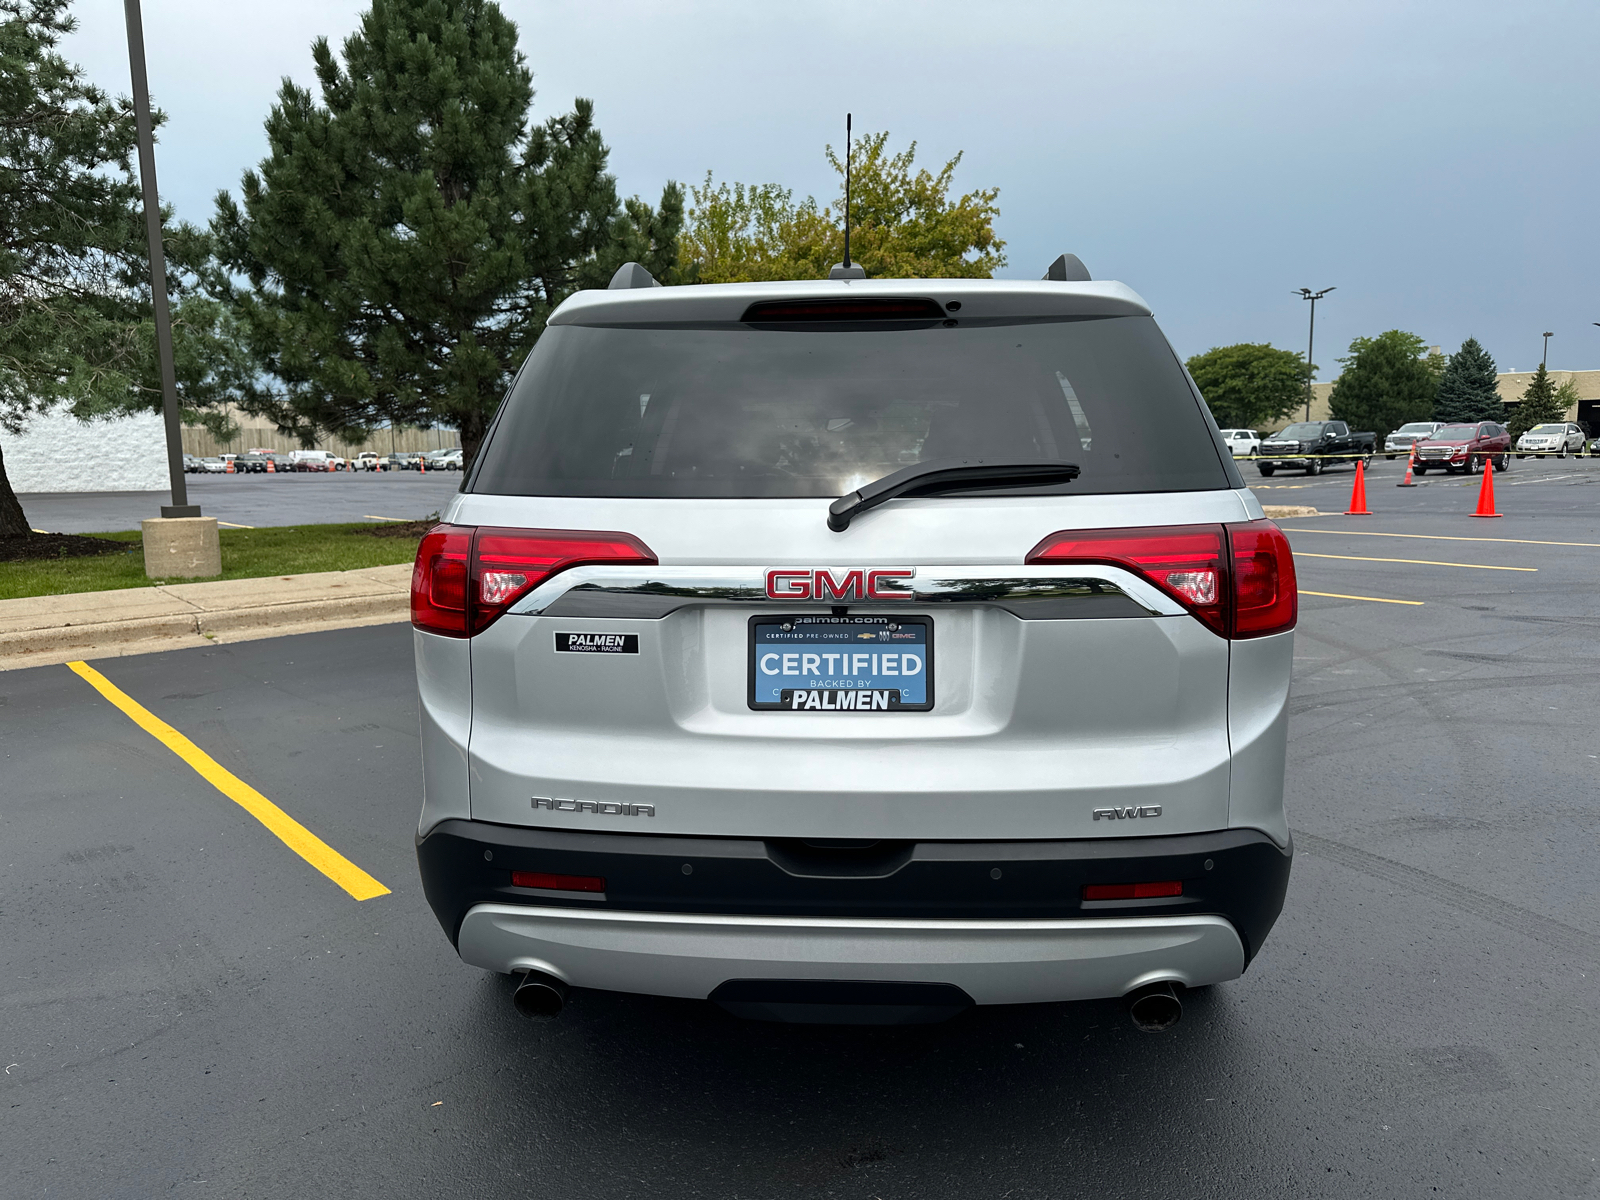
1552,933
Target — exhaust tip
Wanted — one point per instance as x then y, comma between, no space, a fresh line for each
539,996
1154,1008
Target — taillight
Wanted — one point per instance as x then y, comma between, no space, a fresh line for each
1238,579
439,581
1185,561
465,578
1265,595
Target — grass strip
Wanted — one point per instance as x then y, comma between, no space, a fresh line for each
246,554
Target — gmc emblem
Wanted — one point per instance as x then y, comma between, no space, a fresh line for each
855,583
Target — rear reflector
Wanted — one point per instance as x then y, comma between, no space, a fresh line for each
1238,579
465,577
785,312
557,883
1132,891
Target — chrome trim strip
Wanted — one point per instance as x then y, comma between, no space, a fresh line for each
1015,961
1038,592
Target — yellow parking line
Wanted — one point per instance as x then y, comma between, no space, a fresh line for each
370,517
1372,599
1421,562
231,525
1442,537
296,836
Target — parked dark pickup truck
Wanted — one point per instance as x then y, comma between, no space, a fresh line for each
1332,439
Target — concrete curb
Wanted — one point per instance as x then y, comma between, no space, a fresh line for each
42,630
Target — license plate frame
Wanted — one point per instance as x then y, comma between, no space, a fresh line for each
827,630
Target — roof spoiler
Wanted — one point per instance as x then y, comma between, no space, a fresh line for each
631,275
1068,268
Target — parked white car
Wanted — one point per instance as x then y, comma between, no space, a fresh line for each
444,460
1558,438
1408,435
214,465
779,704
367,461
1244,443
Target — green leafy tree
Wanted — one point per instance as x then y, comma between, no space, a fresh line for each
904,224
1467,390
1541,402
1249,384
1387,381
1567,398
405,239
75,323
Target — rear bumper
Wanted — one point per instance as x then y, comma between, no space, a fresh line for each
994,962
1004,921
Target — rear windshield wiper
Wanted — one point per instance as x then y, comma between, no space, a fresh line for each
934,478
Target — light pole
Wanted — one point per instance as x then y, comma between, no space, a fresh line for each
180,506
1311,338
1545,357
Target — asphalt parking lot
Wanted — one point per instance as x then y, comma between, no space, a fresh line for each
188,1007
291,498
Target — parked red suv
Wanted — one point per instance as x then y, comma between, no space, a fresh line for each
1462,449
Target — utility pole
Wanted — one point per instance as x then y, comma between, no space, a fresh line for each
1311,338
1545,357
180,506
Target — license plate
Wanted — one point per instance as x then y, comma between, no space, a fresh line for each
865,664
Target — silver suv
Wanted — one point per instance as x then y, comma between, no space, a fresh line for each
855,650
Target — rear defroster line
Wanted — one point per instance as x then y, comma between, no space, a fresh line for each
290,832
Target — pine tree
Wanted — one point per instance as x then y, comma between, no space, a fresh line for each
1539,404
1467,389
1386,382
406,238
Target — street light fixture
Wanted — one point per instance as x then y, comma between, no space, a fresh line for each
1545,357
1311,338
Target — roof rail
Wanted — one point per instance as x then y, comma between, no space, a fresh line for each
1068,268
631,275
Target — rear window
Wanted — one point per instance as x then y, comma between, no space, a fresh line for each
748,411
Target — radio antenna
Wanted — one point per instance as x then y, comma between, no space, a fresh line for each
847,190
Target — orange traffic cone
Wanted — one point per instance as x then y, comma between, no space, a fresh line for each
229,467
1358,494
1410,459
272,465
422,463
1486,492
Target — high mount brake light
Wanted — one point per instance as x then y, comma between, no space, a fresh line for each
1246,590
783,312
465,578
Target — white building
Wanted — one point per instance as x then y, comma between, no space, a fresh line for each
56,452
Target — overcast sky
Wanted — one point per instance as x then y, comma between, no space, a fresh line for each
1436,162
